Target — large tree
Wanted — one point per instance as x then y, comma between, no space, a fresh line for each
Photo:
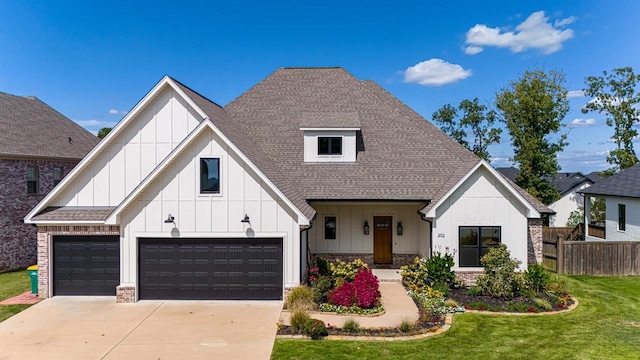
532,109
476,118
614,94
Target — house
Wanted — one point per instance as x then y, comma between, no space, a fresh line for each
185,199
569,185
38,147
621,193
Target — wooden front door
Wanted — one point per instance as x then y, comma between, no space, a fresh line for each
382,249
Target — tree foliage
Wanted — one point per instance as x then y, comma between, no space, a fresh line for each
103,132
614,94
533,108
476,119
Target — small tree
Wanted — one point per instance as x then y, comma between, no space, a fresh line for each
103,132
575,217
614,94
476,119
500,278
533,108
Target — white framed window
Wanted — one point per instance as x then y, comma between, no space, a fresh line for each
210,175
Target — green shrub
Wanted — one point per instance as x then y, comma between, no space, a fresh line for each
415,275
406,326
351,325
298,320
536,278
473,291
315,328
346,270
301,297
518,307
451,303
321,287
439,268
543,304
500,278
323,266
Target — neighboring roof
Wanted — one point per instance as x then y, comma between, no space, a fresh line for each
540,207
625,183
74,213
405,157
564,182
31,128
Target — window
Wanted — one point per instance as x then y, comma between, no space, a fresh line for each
329,146
210,176
58,174
32,180
475,242
622,217
330,227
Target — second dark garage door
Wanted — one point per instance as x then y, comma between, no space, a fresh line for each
210,269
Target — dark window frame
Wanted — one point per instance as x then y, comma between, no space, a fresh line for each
61,174
479,245
205,188
622,217
332,141
330,233
32,184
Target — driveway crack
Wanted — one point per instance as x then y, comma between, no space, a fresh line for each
132,330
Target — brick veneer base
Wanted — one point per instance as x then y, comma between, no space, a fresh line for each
534,241
398,259
44,234
469,277
125,294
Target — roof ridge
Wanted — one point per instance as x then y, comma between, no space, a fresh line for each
195,92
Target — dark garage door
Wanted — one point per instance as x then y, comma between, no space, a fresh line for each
210,269
86,265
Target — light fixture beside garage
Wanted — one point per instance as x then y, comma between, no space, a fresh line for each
366,228
246,219
399,228
170,219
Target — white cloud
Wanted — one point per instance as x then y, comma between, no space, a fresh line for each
571,94
113,112
536,32
435,72
472,50
582,122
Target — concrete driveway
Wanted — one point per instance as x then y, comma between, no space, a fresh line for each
98,328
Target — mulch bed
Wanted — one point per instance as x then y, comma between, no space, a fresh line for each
518,304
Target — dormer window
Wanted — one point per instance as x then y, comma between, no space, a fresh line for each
329,145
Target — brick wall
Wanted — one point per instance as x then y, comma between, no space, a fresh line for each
534,241
45,233
18,243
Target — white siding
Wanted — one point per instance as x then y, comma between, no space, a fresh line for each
138,149
177,192
481,201
350,236
570,202
632,229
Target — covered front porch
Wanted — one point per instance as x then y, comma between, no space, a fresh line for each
384,234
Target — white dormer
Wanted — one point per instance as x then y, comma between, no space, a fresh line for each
330,137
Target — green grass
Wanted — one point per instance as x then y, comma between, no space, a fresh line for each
11,284
606,325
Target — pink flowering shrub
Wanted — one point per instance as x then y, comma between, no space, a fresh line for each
343,295
366,287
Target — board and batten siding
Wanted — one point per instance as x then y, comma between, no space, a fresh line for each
176,191
568,203
134,153
481,201
350,218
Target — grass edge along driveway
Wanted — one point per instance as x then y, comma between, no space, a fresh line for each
13,283
606,325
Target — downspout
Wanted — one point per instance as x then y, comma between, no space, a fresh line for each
430,231
305,229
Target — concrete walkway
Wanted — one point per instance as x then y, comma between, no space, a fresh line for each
98,328
397,304
24,298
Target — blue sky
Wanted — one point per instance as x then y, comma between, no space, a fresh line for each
93,61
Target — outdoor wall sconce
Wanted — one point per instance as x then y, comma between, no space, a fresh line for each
170,219
399,228
366,228
246,219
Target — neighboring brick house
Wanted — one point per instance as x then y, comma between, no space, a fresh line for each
38,147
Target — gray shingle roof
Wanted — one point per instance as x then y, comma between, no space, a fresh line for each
74,213
625,183
318,119
564,182
31,128
405,157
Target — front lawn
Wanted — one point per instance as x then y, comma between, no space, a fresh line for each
11,284
606,325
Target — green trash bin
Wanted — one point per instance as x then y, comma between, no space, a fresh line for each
33,274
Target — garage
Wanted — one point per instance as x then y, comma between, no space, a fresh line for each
210,269
86,265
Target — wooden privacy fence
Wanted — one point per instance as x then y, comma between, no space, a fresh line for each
614,258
